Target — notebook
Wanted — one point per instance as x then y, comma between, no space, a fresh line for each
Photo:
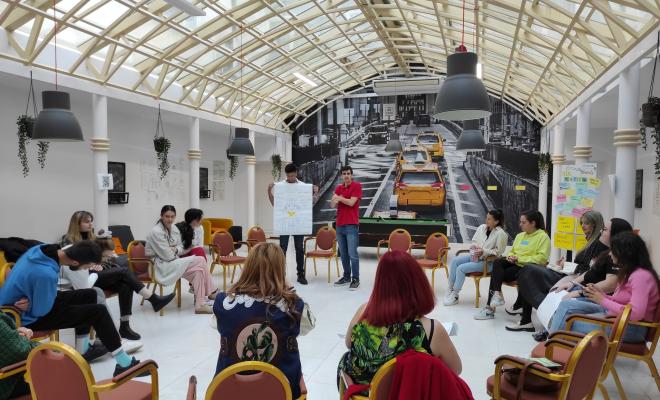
569,268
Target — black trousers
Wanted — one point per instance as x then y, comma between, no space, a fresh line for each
300,253
534,283
503,271
79,309
122,281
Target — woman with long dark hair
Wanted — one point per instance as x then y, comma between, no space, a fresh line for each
192,233
164,246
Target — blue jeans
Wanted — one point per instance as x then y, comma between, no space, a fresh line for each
461,266
632,334
347,239
570,307
300,253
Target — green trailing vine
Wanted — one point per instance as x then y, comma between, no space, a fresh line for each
656,142
277,167
162,146
25,124
642,134
41,154
544,164
233,166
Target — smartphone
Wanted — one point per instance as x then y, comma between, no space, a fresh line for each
581,286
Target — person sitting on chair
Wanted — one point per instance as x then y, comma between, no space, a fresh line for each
16,346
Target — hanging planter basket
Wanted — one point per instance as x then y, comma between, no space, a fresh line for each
277,167
651,111
25,123
162,147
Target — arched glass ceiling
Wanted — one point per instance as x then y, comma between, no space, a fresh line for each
537,54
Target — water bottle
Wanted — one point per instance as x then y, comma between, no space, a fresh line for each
473,254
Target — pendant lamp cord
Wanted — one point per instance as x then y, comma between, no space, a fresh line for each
55,37
463,27
655,64
240,110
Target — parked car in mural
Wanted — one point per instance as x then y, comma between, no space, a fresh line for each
377,134
433,142
418,184
423,120
413,154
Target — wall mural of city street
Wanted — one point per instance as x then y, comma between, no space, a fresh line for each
438,188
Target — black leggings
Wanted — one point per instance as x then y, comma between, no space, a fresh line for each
122,281
79,309
503,271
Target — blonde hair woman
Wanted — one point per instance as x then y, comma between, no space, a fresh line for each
261,316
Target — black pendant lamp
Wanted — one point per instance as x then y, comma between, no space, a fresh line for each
471,139
56,122
241,145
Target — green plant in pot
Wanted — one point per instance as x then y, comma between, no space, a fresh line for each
544,164
233,166
25,125
277,167
162,147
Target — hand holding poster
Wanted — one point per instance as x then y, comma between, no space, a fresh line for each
292,209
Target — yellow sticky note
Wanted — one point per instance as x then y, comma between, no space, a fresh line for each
587,202
580,242
594,182
565,224
520,187
491,187
578,227
569,192
564,240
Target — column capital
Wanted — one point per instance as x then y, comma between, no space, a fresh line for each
194,154
100,144
558,159
627,137
250,160
582,151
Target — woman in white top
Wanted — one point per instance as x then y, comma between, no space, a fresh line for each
164,246
489,240
192,233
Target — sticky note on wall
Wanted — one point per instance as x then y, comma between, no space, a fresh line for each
520,187
565,224
564,240
491,187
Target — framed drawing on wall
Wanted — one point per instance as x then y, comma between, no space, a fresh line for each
118,194
204,192
639,187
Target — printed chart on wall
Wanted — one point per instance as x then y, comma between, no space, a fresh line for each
218,180
578,189
292,209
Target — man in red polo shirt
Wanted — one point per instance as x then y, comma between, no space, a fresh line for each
347,202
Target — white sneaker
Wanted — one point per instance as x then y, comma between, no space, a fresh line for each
511,311
451,298
518,327
484,313
131,346
497,300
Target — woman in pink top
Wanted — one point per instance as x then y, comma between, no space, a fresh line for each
637,285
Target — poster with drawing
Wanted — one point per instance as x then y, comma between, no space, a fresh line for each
292,209
218,180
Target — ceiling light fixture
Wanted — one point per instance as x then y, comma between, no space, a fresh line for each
462,96
56,122
187,8
471,138
305,79
241,145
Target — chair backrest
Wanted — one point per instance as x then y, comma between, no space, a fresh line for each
400,240
223,242
267,383
124,233
52,364
5,269
136,251
616,339
585,365
436,245
256,235
652,333
382,381
325,238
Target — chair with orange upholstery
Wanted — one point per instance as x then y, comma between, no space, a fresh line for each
256,235
51,364
267,383
223,254
617,327
576,379
435,254
380,384
325,246
15,369
143,268
399,239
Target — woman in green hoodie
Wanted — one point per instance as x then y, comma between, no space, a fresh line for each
15,347
531,246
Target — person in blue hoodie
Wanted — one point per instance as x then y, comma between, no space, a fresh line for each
32,287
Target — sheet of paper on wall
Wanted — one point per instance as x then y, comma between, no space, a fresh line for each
292,209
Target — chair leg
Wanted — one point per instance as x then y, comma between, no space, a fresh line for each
478,295
224,278
619,386
177,290
162,310
329,270
654,371
603,391
433,279
337,265
54,336
212,267
316,273
446,271
233,273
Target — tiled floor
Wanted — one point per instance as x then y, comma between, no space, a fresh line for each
184,344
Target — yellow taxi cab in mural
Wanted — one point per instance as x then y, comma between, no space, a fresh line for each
413,154
433,142
419,184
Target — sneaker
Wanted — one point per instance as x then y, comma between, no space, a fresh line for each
120,370
541,336
484,313
451,298
190,289
520,327
95,351
204,309
158,302
355,283
301,279
131,346
511,310
343,281
497,300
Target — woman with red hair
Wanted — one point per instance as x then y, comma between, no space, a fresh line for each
393,321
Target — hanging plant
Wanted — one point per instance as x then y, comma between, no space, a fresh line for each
24,133
41,153
233,166
277,167
642,134
544,164
651,115
656,142
162,147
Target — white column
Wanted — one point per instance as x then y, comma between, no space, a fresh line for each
558,159
582,150
250,164
543,180
100,146
194,155
626,141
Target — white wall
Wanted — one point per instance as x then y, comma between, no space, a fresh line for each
40,205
